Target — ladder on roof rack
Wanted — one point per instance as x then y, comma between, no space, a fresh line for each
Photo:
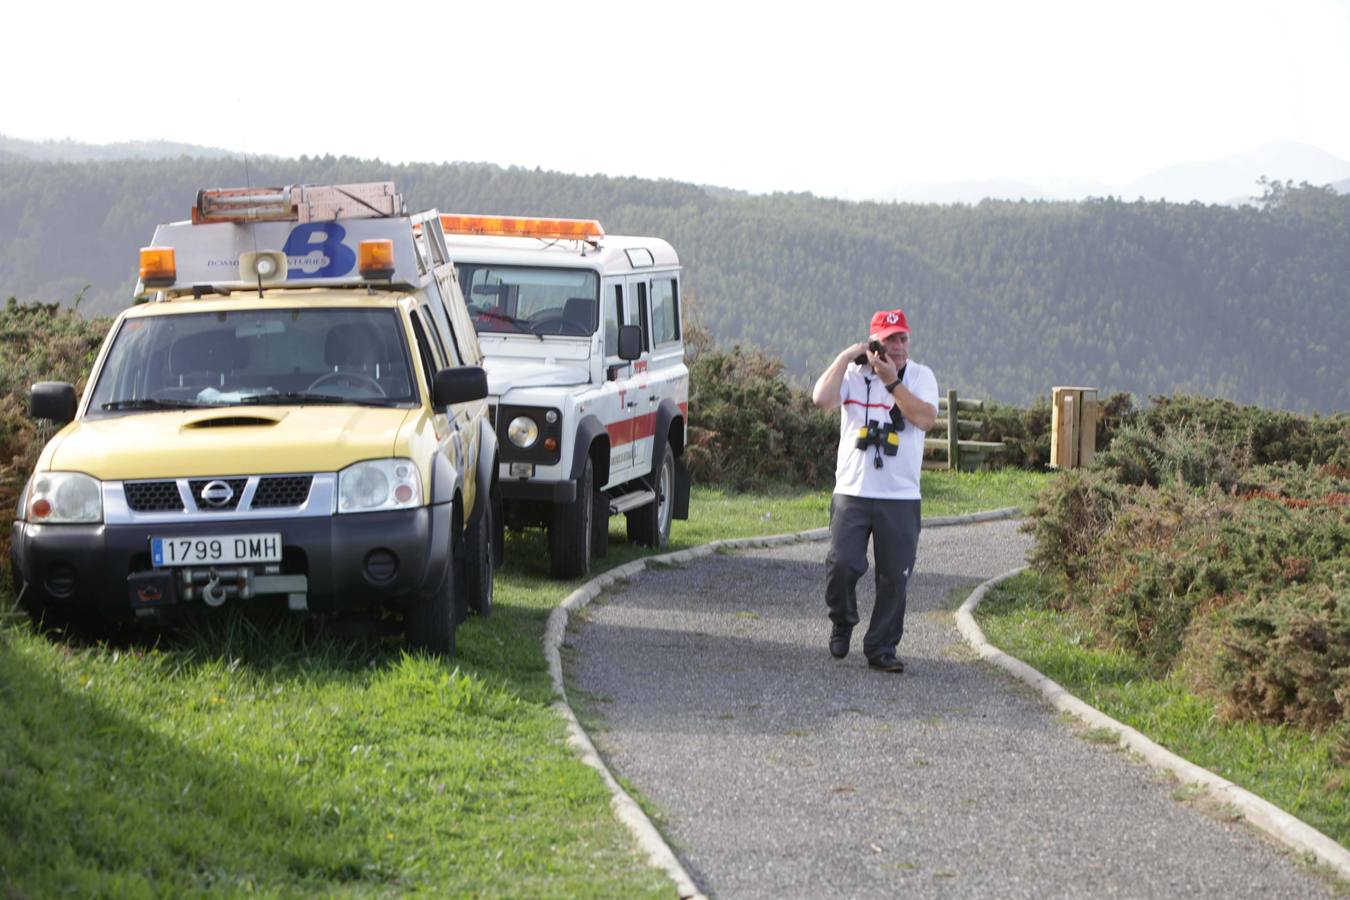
298,203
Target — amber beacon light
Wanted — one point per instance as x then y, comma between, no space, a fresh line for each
157,267
512,226
375,258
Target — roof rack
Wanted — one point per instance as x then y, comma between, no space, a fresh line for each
295,237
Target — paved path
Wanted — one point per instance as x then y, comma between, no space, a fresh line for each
780,772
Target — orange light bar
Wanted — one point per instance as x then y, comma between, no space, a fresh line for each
375,258
514,226
158,268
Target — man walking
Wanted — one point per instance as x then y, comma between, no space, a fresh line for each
886,403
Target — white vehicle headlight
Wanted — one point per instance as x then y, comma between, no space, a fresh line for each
523,431
379,484
63,498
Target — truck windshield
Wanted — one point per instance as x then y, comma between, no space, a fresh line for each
522,299
278,356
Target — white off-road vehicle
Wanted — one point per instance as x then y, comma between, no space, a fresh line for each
582,342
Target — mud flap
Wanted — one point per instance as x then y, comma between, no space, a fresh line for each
680,507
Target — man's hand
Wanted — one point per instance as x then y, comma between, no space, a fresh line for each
884,368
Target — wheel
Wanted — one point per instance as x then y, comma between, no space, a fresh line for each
650,525
480,552
429,622
570,529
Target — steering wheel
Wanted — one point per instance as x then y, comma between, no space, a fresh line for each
352,378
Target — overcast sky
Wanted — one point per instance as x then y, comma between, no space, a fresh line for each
838,98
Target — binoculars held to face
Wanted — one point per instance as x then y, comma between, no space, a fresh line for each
875,347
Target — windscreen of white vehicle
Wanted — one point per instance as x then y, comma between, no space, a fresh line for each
531,300
256,357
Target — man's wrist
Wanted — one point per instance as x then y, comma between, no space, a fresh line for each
890,388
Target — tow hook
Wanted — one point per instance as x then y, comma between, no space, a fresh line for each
214,586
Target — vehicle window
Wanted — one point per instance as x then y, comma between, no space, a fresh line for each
665,314
276,355
437,346
613,318
424,352
515,299
642,315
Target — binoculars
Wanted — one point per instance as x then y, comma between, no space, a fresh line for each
882,435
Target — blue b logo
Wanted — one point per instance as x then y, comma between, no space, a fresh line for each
315,250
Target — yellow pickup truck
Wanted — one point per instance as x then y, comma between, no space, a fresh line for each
295,414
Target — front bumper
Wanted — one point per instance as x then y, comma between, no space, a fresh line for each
564,491
347,561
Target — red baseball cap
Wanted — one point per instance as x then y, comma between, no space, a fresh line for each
886,322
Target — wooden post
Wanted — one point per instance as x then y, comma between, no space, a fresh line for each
953,434
1073,426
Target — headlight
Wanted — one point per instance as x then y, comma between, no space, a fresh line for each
523,432
63,498
379,484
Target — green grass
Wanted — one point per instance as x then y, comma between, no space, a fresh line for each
255,755
1291,767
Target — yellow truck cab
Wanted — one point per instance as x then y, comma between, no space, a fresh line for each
295,414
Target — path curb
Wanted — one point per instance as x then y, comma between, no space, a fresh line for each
626,809
1263,814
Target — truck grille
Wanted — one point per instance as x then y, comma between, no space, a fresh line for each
153,496
273,492
282,490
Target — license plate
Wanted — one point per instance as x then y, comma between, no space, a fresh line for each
215,549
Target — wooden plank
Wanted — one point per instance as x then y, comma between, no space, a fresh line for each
953,431
962,405
1087,437
1054,428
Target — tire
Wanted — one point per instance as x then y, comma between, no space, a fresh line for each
570,529
650,525
480,549
429,622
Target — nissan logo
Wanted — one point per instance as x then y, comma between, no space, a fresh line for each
217,493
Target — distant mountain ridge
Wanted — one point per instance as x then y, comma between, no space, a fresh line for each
76,151
1007,299
1231,180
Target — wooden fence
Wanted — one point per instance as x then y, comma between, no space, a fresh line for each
953,452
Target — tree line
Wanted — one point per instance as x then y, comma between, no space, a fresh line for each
1006,298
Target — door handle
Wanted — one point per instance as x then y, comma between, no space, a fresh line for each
631,404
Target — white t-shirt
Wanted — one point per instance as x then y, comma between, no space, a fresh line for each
856,473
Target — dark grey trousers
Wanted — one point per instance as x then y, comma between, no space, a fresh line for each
893,527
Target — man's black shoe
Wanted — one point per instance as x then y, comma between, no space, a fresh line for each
839,637
887,663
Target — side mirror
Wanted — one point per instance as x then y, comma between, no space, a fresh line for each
53,400
459,385
630,342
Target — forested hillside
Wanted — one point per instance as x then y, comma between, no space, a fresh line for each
1007,299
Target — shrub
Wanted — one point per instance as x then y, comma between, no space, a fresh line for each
1287,657
748,427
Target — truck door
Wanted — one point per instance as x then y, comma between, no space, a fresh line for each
638,396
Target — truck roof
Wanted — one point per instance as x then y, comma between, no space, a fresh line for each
612,254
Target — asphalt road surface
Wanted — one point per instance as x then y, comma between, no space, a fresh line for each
777,771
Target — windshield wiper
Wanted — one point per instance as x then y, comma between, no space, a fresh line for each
147,403
524,326
294,397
